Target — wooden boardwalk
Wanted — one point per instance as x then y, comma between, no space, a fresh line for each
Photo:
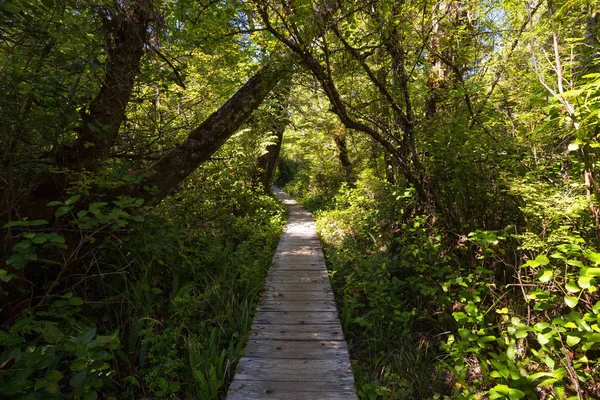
296,349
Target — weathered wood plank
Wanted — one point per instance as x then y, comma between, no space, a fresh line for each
298,267
279,273
297,279
284,262
310,349
299,252
303,287
282,306
306,265
296,317
296,332
290,370
298,296
265,390
290,241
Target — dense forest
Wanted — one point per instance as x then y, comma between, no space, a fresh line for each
448,150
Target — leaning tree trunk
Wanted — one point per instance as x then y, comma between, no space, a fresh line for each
207,138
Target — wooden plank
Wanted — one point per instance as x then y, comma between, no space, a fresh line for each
298,261
268,390
303,241
294,250
290,370
298,251
298,296
287,263
296,317
297,279
295,263
282,306
300,257
279,273
294,287
294,349
298,267
300,245
303,235
296,332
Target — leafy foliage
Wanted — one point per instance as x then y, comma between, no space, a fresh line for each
449,151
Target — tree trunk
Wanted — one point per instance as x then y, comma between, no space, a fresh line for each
340,141
206,139
125,28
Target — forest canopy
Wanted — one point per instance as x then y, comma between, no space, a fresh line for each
448,151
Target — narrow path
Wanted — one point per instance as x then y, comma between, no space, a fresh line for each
296,349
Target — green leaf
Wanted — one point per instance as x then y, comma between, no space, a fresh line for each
571,301
61,211
72,199
78,365
15,223
86,336
56,239
573,340
545,275
18,261
460,316
589,272
5,276
592,256
575,263
584,282
54,375
40,239
571,287
95,207
542,259
52,334
54,203
78,378
542,339
521,333
531,263
21,324
38,222
162,383
75,301
511,350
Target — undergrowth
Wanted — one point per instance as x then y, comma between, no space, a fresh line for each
430,313
139,303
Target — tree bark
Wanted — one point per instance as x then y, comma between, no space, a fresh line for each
125,27
207,138
340,142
